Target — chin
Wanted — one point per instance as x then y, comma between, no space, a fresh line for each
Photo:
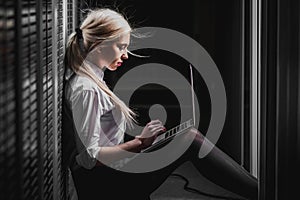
112,68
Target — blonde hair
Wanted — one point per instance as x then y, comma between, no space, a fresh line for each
100,25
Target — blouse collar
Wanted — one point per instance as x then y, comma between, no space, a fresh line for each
98,71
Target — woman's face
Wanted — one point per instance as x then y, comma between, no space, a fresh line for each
112,55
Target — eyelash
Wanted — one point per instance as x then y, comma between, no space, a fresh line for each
122,48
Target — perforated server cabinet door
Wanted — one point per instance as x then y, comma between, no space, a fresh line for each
27,97
32,37
8,136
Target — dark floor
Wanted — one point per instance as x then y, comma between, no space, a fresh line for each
173,188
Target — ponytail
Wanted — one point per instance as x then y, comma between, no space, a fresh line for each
75,55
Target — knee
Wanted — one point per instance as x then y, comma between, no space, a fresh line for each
198,137
197,140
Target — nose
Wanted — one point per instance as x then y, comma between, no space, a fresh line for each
124,55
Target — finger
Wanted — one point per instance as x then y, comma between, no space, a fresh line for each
155,122
153,127
158,129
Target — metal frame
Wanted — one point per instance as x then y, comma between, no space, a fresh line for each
255,85
39,74
55,99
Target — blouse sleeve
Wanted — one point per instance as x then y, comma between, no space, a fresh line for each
86,116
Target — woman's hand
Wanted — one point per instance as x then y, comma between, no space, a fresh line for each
150,132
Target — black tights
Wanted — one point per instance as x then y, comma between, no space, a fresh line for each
106,183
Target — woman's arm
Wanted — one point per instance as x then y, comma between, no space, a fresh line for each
86,112
114,153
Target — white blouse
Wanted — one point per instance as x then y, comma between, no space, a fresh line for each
96,120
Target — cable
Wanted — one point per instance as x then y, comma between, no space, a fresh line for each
189,189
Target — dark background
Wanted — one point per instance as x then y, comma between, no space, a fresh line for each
217,26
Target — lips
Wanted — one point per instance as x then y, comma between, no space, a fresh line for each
119,64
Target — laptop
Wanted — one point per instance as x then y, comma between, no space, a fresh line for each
163,138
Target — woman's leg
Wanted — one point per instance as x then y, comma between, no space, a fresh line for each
217,166
222,170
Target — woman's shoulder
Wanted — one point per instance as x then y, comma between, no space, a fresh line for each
81,84
82,87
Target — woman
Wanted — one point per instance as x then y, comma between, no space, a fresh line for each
95,119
